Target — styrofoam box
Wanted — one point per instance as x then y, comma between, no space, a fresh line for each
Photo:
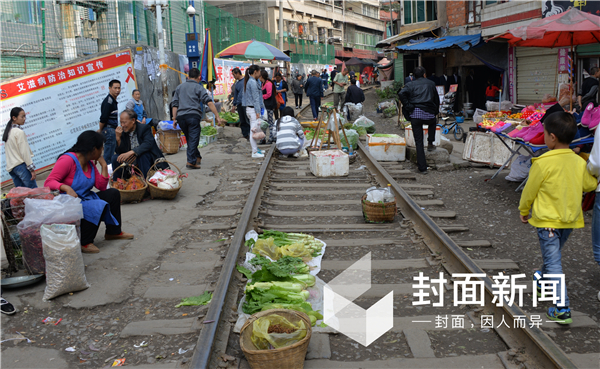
410,139
486,148
329,163
395,151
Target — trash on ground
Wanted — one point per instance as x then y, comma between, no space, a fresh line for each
93,348
142,344
182,351
118,362
203,299
70,349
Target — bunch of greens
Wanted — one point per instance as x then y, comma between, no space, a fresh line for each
203,299
209,131
384,135
229,117
362,131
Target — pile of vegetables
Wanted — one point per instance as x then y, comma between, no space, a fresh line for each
229,117
309,134
280,284
209,131
384,135
276,245
328,104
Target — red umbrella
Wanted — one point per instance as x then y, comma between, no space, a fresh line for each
570,28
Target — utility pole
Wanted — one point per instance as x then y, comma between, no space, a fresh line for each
281,25
68,22
158,6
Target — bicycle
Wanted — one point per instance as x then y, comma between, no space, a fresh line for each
453,125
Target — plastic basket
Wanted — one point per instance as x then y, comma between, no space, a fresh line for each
205,140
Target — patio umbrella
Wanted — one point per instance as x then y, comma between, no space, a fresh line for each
570,28
253,50
207,67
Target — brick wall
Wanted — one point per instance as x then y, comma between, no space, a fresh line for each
457,13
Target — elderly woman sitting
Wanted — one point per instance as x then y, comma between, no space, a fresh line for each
135,145
137,105
75,174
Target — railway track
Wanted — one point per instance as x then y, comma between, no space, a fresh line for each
285,196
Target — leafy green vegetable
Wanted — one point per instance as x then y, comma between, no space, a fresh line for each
323,325
362,131
229,117
208,131
250,243
283,267
245,271
261,293
203,299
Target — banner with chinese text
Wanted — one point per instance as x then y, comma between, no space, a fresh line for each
62,103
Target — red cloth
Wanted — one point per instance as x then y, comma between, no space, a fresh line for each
64,172
491,91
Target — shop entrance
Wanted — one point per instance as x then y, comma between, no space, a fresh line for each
476,90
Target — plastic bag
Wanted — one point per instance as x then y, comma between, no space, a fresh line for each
165,179
263,340
266,247
478,116
362,132
493,105
352,137
18,194
519,169
264,125
353,110
63,209
64,264
363,121
165,125
331,121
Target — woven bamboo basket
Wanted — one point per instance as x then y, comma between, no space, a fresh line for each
161,193
131,195
378,213
289,357
169,141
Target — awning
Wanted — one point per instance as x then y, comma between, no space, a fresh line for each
402,35
464,42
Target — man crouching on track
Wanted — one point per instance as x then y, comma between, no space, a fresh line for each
556,181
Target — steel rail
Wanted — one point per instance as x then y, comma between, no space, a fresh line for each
206,339
539,348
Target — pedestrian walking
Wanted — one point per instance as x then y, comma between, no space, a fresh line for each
314,91
109,118
334,72
420,99
593,167
238,91
253,102
270,102
282,88
187,112
298,90
18,154
339,92
554,187
325,78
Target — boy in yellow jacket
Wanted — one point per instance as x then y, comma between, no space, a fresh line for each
555,185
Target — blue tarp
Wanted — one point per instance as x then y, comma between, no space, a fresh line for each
464,42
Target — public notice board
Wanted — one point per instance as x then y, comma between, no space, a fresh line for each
63,102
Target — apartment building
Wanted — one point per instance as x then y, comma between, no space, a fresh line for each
353,27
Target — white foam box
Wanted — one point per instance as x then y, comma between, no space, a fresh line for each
387,148
410,138
329,163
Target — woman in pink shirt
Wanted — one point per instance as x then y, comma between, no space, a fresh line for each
75,174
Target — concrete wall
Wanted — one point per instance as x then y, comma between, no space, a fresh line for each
498,18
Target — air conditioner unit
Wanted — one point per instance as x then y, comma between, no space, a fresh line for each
311,38
90,29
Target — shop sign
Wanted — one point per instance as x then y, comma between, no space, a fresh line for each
512,90
563,60
63,102
551,8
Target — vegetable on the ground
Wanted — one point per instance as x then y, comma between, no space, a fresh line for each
203,299
208,131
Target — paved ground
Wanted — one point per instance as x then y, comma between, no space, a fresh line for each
132,282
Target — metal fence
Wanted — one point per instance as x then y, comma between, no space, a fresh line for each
37,34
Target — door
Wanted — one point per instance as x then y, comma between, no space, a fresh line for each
536,74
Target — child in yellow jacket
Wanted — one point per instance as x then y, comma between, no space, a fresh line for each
555,185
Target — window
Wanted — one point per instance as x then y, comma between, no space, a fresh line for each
370,11
366,39
416,11
474,12
29,12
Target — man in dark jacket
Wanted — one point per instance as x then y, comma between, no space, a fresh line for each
314,91
354,94
333,73
135,145
109,111
421,100
589,89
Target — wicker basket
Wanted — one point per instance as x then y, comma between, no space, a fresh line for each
289,357
378,213
131,195
352,158
160,193
169,141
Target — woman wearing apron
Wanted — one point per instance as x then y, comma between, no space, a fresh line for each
137,105
76,174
